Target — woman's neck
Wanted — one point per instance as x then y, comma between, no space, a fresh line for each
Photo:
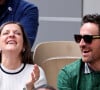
11,65
11,61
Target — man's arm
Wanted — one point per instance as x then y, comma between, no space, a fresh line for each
63,82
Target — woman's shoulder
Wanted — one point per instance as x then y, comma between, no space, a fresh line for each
31,66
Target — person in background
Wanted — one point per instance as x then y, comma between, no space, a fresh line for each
21,11
84,74
17,70
45,87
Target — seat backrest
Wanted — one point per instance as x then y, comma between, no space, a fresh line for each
53,65
50,49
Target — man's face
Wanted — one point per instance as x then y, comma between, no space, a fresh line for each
2,2
90,52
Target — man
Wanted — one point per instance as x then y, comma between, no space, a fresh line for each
84,74
22,12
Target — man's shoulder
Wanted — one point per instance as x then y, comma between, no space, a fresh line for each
27,3
73,67
24,7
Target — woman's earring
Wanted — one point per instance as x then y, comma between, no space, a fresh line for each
23,49
0,50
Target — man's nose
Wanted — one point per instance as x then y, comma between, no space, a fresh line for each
82,42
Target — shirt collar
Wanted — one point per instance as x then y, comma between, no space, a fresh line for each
86,69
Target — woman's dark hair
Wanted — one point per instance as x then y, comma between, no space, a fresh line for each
46,86
26,54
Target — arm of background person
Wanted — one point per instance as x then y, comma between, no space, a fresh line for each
30,22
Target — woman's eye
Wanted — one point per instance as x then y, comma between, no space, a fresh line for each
5,33
18,33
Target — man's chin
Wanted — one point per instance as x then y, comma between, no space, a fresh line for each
86,60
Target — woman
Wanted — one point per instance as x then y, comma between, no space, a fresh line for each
17,71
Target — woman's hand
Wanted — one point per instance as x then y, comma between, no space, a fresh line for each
34,77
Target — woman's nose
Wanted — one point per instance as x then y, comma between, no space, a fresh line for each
11,34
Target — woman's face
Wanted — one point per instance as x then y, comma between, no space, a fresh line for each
11,38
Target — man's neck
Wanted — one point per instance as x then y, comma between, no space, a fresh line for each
94,66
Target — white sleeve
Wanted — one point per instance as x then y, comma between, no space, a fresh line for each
42,79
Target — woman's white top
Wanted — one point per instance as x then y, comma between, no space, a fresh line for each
16,79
